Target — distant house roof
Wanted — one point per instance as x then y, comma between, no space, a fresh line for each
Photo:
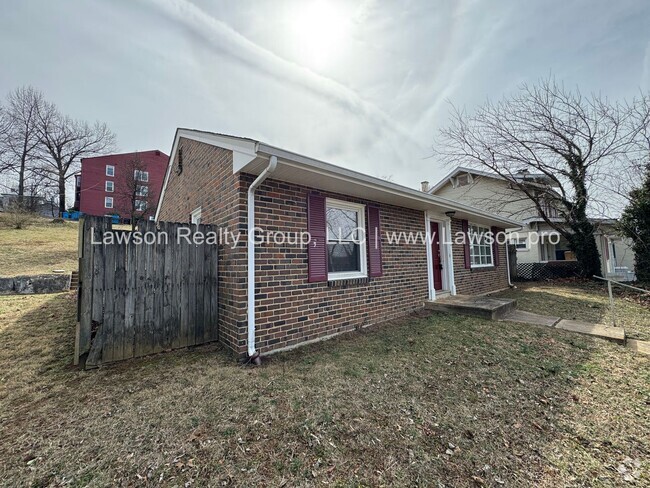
251,156
521,176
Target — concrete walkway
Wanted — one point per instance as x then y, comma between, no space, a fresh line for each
505,310
614,334
642,347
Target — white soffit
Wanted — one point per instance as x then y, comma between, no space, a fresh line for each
325,179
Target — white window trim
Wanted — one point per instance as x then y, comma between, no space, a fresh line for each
141,209
139,193
138,175
472,265
193,216
112,173
112,186
106,199
361,224
513,240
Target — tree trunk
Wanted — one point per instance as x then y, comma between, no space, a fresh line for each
21,181
583,243
61,195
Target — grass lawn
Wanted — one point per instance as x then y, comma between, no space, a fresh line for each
427,399
40,248
585,300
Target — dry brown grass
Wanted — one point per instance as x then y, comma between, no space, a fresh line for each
40,248
446,399
585,300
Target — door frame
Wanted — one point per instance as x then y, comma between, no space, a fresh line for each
446,256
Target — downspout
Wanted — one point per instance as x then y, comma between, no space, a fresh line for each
508,265
253,355
508,261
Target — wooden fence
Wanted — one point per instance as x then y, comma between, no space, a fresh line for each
142,298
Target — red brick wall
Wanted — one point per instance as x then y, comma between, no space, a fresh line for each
93,182
478,280
289,309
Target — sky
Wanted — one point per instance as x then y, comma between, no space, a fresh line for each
361,84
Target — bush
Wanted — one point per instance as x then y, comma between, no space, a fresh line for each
17,216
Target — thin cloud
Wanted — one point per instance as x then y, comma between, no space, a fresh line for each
229,43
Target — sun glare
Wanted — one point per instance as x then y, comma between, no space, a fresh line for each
320,28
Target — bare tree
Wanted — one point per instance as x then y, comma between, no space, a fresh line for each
19,135
548,130
132,190
64,142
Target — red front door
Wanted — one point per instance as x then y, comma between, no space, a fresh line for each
435,252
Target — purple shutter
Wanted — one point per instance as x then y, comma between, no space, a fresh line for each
465,226
495,245
374,243
317,227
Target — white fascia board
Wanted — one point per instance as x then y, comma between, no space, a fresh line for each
367,181
244,151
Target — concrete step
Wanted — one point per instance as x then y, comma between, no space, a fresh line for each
74,280
614,334
484,307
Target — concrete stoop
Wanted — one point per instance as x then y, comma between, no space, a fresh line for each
484,307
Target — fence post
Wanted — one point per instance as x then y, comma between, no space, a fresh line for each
611,302
85,291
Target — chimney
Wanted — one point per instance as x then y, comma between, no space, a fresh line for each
425,186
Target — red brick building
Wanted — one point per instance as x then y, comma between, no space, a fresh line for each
300,292
126,185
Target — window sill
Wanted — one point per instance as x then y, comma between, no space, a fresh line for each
345,280
491,267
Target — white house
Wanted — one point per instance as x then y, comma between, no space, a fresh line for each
537,241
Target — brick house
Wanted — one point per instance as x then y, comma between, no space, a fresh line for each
336,282
106,184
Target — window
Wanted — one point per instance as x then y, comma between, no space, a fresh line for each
110,170
346,248
140,175
480,245
108,202
142,190
521,243
110,187
195,216
140,205
462,180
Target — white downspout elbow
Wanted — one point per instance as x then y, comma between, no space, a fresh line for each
273,162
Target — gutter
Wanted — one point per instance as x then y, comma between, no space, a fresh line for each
292,159
254,355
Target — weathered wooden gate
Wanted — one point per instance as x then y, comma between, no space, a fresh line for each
138,298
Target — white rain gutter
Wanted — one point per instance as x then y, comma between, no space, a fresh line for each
273,162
